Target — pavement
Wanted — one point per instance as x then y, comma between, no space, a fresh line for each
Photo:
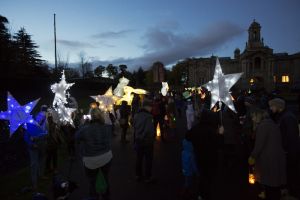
229,183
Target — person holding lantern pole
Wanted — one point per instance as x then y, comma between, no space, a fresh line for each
268,156
205,139
289,130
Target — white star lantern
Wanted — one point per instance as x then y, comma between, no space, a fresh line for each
220,86
16,114
60,90
119,90
60,99
165,88
106,101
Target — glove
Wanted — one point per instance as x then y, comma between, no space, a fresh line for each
251,160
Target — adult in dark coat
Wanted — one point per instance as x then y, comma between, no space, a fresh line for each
232,138
124,120
290,141
268,155
204,137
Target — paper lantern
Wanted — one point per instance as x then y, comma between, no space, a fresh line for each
220,86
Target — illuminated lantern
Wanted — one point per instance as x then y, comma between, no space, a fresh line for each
106,101
128,96
16,114
119,90
251,176
60,100
158,133
220,86
165,88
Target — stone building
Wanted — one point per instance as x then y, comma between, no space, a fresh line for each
158,70
260,65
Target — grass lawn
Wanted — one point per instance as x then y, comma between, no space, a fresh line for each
12,184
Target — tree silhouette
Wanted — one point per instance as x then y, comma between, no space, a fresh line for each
27,55
98,71
5,46
112,71
122,69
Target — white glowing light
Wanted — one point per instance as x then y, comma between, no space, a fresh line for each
119,90
17,114
165,88
128,96
220,86
60,99
106,100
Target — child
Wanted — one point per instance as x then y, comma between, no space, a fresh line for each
189,167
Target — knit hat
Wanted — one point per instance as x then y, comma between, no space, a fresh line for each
147,103
278,103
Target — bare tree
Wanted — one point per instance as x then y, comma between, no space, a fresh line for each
83,60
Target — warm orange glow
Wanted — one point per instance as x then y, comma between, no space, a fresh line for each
202,93
93,105
251,80
251,179
158,130
232,98
285,79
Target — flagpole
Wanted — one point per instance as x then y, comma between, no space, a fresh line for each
55,57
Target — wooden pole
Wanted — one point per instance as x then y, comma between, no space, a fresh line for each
55,57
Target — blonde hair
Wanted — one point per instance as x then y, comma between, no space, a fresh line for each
97,115
259,115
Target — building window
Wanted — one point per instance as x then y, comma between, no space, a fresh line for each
285,79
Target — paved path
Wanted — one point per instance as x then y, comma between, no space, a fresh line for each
229,184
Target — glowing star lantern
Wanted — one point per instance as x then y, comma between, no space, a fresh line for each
128,96
60,90
16,114
60,99
119,90
106,101
220,86
165,88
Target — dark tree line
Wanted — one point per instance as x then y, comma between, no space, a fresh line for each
18,53
19,57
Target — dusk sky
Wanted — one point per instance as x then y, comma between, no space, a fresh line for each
140,32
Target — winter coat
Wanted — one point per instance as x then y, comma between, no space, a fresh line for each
144,131
270,164
189,166
205,140
231,127
289,132
95,138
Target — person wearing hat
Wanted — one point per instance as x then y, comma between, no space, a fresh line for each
289,129
144,136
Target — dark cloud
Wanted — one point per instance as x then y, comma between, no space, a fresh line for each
112,34
75,44
168,47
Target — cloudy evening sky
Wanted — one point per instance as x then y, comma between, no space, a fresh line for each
140,32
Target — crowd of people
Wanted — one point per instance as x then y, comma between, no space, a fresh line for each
263,127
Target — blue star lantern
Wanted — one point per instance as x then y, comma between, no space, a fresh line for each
16,114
